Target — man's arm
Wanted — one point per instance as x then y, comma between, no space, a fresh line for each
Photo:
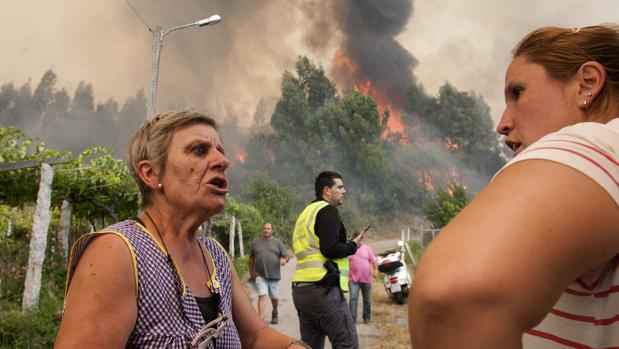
503,262
285,254
374,267
327,227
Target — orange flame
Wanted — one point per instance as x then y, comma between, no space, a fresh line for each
241,156
451,145
426,178
363,85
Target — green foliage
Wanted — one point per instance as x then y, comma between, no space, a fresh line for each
446,205
343,134
14,250
20,186
251,222
459,119
275,204
241,264
416,249
36,329
313,82
98,185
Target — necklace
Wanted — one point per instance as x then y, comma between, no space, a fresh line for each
211,284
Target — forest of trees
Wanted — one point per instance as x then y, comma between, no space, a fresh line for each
450,140
449,153
70,123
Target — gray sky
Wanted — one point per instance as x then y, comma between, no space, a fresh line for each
226,69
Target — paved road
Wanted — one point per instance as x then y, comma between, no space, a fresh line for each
288,318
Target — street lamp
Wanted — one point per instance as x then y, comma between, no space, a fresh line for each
159,34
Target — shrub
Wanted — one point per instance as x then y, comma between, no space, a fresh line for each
36,329
241,265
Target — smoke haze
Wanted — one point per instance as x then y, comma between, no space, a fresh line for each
226,69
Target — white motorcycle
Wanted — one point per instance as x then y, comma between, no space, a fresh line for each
397,280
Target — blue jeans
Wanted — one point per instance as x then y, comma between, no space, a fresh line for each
366,292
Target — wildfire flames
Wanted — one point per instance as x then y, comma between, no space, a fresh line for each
425,178
429,178
362,84
241,156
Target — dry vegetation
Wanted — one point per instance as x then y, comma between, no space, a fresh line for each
389,318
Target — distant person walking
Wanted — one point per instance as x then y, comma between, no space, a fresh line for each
363,267
268,253
321,276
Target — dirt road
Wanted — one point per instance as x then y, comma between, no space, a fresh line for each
288,318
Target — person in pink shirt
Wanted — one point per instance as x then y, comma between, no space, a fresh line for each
363,268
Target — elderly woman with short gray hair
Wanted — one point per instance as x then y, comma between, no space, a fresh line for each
152,281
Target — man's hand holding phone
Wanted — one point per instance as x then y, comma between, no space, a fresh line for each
358,236
357,239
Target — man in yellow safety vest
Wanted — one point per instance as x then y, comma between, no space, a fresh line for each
322,248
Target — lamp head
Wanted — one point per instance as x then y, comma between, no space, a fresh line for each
214,19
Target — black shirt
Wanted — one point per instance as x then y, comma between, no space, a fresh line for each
332,234
209,307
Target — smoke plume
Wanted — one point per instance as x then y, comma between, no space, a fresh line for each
369,29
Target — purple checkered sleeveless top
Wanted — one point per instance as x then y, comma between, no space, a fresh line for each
168,314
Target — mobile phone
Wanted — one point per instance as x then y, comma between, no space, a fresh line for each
354,236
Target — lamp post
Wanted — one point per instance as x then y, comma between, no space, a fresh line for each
159,34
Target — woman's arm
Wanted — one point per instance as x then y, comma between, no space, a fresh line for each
501,264
253,331
100,305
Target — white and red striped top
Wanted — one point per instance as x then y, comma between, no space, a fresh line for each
587,314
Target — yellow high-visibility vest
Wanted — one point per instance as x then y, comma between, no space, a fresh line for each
306,246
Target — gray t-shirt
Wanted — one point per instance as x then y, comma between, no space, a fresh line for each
266,253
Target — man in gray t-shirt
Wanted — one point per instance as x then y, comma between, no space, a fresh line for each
267,255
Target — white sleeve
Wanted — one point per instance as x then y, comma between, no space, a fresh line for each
591,148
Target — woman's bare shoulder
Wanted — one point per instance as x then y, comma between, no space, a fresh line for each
101,303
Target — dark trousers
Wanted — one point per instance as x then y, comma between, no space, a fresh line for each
324,312
366,292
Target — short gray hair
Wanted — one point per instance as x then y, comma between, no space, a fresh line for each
151,141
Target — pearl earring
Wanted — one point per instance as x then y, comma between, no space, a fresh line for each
160,185
589,94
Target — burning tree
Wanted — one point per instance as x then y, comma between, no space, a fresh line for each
446,205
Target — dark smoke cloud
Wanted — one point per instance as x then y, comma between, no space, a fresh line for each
369,29
221,69
225,67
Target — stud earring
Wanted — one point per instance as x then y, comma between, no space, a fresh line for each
589,94
160,185
585,103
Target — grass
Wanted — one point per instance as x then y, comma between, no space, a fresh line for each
389,318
